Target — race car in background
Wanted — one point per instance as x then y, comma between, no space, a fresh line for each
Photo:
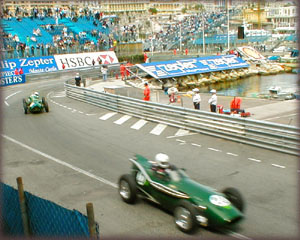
191,203
35,104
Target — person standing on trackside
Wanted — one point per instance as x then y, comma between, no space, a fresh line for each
146,92
213,101
196,98
104,72
77,80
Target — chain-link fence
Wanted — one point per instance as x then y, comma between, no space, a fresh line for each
45,218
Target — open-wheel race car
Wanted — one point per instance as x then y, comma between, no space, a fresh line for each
191,203
35,104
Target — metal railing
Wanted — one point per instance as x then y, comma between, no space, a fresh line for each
277,137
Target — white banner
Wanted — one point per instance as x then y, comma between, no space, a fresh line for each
79,60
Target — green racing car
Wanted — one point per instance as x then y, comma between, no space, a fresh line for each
191,203
35,104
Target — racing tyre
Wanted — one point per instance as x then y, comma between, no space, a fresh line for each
25,106
185,217
127,188
235,197
46,106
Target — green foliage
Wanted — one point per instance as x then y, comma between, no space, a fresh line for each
153,10
184,10
132,58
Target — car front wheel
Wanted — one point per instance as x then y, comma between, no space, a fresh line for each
185,217
235,197
127,188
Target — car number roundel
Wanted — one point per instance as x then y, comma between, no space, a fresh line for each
140,178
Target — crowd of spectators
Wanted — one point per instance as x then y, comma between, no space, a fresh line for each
64,40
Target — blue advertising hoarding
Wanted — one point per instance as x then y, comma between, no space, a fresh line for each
29,65
11,80
183,67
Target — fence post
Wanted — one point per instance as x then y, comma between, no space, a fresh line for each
22,201
91,220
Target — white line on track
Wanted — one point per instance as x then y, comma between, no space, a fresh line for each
254,160
6,103
139,124
181,132
213,149
179,140
239,236
232,154
61,162
122,119
90,114
158,129
175,136
290,115
107,116
279,166
196,145
80,112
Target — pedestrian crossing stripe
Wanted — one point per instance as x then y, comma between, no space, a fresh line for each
182,132
107,115
122,119
139,124
158,129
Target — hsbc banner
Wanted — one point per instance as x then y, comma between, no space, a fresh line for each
177,68
11,80
28,65
73,61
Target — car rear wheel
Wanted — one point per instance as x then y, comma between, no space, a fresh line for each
25,106
185,217
235,197
127,188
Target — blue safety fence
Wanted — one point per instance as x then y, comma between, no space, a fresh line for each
46,218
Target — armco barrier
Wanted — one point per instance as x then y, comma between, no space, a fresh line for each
278,137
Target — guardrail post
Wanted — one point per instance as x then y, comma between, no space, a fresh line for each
91,220
23,207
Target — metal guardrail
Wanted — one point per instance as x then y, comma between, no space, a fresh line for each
277,137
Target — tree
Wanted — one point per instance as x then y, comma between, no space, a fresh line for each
153,10
184,10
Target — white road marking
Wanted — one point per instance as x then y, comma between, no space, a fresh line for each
279,166
216,150
196,145
107,116
182,141
122,119
239,236
90,114
139,124
232,154
61,162
290,115
253,159
182,132
80,112
74,110
60,95
158,129
184,135
6,103
70,108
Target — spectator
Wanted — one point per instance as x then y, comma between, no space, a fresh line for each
16,71
122,71
186,51
196,98
104,72
77,80
213,101
146,92
145,57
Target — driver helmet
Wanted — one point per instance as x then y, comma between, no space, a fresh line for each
36,94
162,160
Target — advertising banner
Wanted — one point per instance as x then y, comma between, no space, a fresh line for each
73,61
28,65
177,68
11,80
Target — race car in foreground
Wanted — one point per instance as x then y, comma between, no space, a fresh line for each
35,104
191,203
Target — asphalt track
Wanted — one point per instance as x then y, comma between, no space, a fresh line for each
75,154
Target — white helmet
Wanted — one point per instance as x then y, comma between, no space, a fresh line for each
162,160
36,94
195,90
213,91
